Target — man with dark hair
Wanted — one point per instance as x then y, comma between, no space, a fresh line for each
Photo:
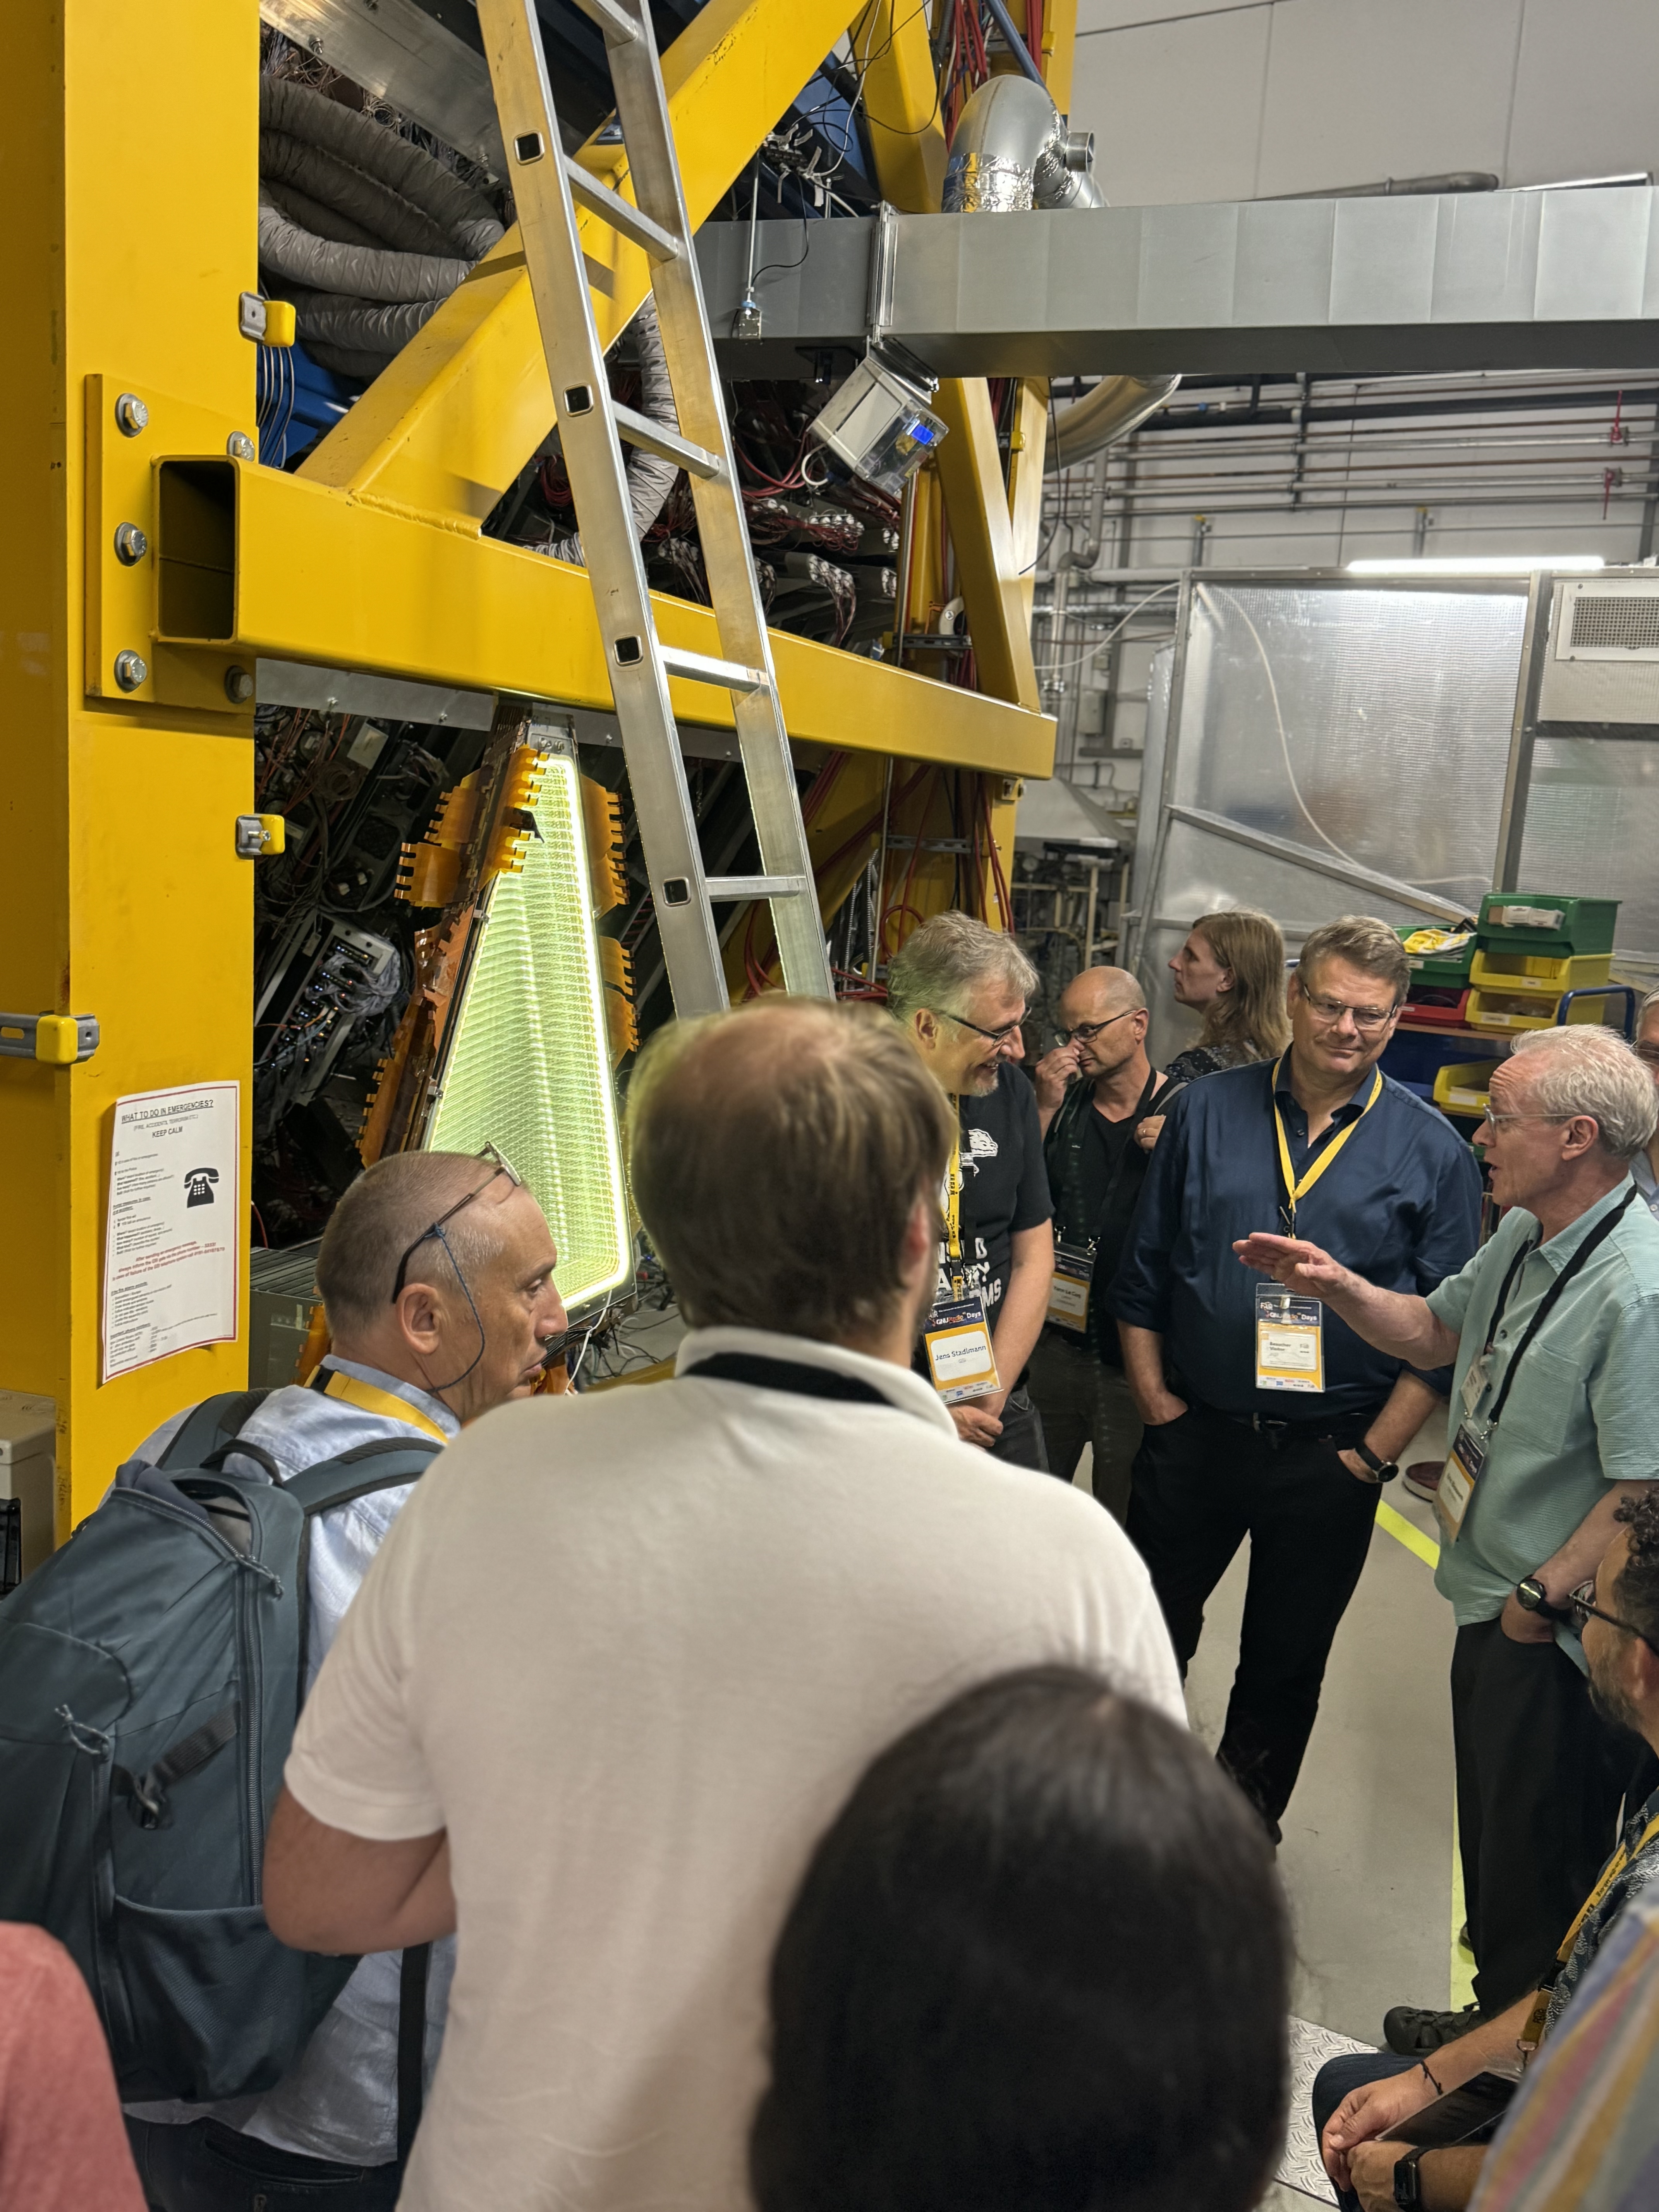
436,1272
620,1661
1357,2100
1261,1420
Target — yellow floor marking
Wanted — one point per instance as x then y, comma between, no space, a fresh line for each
1407,1532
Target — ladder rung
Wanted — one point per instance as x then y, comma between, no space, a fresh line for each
622,214
757,887
668,445
704,668
615,22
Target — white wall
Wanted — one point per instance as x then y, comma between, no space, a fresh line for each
1197,101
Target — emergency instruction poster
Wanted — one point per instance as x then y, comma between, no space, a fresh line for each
174,1224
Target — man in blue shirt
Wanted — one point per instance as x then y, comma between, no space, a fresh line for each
1265,1419
1555,1327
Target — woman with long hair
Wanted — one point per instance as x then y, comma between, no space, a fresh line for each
1231,971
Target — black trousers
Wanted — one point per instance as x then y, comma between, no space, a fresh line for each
208,2167
1540,1779
1021,1443
1084,1401
1202,1485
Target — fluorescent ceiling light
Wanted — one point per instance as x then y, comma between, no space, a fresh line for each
1487,564
528,1065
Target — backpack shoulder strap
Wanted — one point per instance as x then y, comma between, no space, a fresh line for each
207,1427
383,1464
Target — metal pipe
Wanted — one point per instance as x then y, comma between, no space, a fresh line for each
1011,151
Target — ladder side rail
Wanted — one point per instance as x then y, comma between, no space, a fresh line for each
688,344
594,460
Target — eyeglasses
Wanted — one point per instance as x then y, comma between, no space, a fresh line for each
1649,1053
1087,1032
1502,1122
502,1166
995,1037
1579,1605
1331,1010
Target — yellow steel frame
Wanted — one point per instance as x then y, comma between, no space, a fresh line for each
139,152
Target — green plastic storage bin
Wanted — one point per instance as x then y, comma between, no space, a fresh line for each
1549,922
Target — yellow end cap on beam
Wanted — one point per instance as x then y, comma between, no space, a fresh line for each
280,321
58,1040
275,827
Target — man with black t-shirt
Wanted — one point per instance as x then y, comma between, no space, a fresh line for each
960,991
1092,1091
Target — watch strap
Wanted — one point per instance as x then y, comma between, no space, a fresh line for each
1407,2183
1384,1469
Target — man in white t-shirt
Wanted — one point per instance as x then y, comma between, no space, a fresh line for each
616,1666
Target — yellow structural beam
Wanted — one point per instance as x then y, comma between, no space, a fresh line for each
125,897
323,577
907,140
446,428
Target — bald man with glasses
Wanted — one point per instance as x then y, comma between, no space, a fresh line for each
1265,1417
436,1272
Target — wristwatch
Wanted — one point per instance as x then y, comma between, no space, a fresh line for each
1384,1469
1532,1595
1407,2182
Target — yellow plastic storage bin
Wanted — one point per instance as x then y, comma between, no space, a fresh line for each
1503,967
1464,1087
1519,1009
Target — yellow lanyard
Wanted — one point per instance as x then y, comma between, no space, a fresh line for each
953,1212
1316,1168
1610,1874
372,1400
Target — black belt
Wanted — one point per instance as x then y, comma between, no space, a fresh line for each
1315,1426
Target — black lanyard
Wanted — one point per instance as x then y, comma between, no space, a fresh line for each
793,1374
1078,1136
1546,1305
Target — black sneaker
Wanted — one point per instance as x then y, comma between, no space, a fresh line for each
1413,2031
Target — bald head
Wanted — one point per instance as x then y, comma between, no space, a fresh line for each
777,1155
1098,991
389,1205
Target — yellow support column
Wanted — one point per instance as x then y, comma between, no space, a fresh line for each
133,148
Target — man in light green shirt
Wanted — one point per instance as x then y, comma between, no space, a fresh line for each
1554,1327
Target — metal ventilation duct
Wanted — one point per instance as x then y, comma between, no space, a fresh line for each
1010,152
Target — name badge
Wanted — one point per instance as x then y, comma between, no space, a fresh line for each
1068,1292
1459,1476
959,1356
1290,1340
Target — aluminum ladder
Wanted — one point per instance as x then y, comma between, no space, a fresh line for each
548,187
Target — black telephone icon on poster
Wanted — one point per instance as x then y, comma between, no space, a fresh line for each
198,1186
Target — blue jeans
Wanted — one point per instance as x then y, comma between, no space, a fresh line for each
1336,2078
208,2167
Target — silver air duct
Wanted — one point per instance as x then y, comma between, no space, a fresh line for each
1011,150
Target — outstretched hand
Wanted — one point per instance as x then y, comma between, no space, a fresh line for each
1290,1260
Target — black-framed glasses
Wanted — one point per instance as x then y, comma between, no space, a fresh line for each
1648,1054
501,1166
1580,1604
993,1036
1087,1032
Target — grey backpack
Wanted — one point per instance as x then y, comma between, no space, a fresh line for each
151,1671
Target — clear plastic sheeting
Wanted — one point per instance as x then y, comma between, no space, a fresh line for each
1367,730
1593,821
528,1067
